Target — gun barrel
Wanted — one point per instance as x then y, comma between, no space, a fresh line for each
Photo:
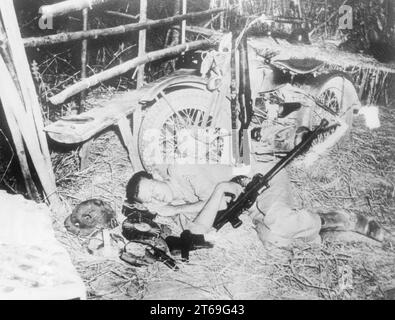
296,151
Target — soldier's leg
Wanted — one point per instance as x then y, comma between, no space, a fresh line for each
276,219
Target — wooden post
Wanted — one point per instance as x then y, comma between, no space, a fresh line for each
184,22
222,17
29,95
142,43
131,140
175,37
84,57
84,150
326,19
241,9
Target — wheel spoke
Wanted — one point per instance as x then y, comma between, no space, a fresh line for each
164,97
187,118
330,98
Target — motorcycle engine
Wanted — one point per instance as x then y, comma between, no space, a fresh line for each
275,127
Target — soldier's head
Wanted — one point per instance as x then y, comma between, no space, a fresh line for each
143,188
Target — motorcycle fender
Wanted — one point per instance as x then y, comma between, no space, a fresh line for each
178,80
313,84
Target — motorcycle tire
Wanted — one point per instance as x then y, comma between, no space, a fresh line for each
338,94
186,110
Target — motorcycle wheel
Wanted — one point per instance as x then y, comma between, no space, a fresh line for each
180,109
339,95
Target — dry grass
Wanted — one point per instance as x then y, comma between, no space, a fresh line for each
358,176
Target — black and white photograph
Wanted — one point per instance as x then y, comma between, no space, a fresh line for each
207,151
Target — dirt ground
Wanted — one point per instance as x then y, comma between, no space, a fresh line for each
356,176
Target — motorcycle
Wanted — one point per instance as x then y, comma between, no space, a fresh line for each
244,102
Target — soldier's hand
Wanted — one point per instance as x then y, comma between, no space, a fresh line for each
230,188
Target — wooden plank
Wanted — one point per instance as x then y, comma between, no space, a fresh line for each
21,153
142,43
29,95
5,52
14,105
95,33
13,127
127,66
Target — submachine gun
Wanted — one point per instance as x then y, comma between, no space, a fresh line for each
188,242
260,183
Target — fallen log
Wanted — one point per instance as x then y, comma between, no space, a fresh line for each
127,66
65,7
95,33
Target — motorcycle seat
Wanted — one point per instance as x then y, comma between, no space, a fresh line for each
299,66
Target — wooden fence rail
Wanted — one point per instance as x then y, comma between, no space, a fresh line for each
127,66
95,33
142,26
65,7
